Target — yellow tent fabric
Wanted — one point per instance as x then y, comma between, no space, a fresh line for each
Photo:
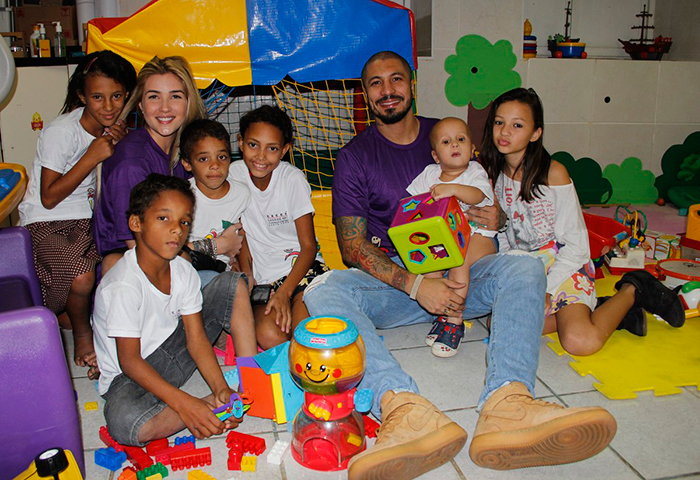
214,33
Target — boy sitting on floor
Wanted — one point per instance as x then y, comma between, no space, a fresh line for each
153,326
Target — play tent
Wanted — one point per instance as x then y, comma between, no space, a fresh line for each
260,42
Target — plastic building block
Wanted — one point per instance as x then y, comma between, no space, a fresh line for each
277,452
191,458
235,455
370,426
152,470
185,439
157,476
90,405
137,457
156,446
199,475
109,458
109,441
129,473
278,397
248,463
164,455
249,443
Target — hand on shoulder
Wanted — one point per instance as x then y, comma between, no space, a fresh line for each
558,174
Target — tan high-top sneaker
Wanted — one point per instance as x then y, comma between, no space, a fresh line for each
414,438
515,431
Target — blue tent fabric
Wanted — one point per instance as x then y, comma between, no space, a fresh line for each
314,40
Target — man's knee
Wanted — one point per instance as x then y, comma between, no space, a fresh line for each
525,270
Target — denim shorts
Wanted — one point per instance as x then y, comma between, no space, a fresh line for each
128,405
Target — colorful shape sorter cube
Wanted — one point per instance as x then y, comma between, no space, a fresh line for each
429,234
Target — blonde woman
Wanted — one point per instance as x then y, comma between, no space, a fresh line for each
167,99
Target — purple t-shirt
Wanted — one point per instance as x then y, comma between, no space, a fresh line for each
371,175
135,157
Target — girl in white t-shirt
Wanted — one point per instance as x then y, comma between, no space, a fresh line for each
545,219
278,223
57,208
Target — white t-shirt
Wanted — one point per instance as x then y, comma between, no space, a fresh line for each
473,176
269,219
212,216
128,305
61,144
555,215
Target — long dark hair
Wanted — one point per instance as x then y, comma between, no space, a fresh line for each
536,162
103,63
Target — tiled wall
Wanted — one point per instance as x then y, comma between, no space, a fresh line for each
652,105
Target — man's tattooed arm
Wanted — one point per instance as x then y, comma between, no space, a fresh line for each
359,252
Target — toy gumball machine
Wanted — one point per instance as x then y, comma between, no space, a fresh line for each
327,360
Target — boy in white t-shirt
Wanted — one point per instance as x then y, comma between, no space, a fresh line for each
153,326
278,223
205,151
453,174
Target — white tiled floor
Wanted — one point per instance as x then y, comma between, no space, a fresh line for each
657,437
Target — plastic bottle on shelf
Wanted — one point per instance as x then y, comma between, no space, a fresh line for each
59,41
34,42
44,43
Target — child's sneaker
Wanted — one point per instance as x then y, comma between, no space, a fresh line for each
435,330
448,340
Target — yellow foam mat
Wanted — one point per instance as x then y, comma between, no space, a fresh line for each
665,360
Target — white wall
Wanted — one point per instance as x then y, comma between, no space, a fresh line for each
679,19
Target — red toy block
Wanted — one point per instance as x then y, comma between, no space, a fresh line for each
230,358
248,443
108,440
370,426
129,473
256,383
191,458
234,459
156,446
138,457
164,455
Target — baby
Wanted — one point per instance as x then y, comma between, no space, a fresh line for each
453,174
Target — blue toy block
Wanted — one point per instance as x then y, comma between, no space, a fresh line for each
109,458
185,439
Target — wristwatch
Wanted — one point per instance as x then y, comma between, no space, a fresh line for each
505,225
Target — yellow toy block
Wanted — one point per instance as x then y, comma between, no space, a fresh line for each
248,463
157,476
90,405
278,396
199,475
354,439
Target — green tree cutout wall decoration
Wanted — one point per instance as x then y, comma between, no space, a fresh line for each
480,71
680,182
591,186
630,182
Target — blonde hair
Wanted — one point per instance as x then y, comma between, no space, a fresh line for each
179,67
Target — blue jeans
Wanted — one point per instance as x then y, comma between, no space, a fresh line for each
510,287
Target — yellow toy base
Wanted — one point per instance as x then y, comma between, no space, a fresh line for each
663,361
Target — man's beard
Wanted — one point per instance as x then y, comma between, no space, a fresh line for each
396,115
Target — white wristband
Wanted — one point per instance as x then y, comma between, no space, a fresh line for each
416,286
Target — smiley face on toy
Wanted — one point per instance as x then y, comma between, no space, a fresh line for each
327,355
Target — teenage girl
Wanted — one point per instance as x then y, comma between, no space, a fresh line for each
58,205
167,99
545,218
278,223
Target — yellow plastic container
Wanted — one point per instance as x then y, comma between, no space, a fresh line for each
54,463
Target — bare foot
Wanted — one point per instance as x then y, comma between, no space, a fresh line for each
94,373
84,354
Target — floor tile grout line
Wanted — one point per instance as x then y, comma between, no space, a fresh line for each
458,470
624,460
675,477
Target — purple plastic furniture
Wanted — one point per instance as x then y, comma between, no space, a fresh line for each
37,403
19,285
